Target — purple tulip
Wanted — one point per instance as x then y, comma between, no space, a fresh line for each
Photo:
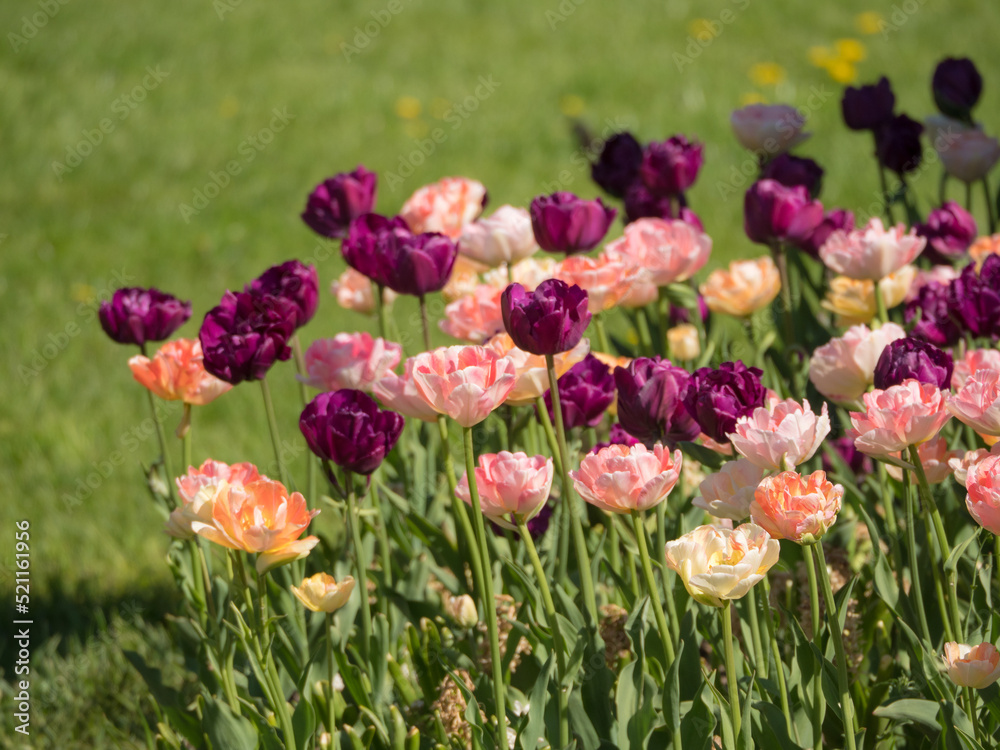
366,234
857,462
348,428
773,213
245,334
936,322
135,316
563,223
868,107
640,203
976,298
680,314
618,165
838,218
957,87
670,167
337,201
549,320
586,391
716,398
650,405
909,358
949,231
897,144
538,525
795,170
294,282
617,436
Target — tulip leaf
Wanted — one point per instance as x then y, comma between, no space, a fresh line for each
672,690
580,724
724,712
226,729
885,583
634,702
705,456
534,728
959,549
698,726
304,723
911,709
773,726
682,295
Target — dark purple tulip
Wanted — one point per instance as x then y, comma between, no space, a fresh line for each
949,231
618,165
563,223
365,237
773,213
586,390
337,201
716,398
976,298
245,334
348,428
868,107
795,170
549,320
135,316
650,405
670,167
538,525
640,203
938,323
294,282
617,436
909,358
897,144
957,87
838,218
858,462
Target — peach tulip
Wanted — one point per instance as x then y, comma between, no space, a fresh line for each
197,490
728,492
853,300
529,273
355,291
795,507
622,478
445,206
718,564
745,287
607,281
504,237
983,500
898,417
934,457
844,368
872,252
532,373
177,373
509,484
972,666
399,393
260,517
684,342
983,247
322,592
974,360
349,360
782,435
977,404
474,317
464,279
667,250
465,383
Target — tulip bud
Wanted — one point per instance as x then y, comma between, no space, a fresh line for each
618,165
897,144
957,87
684,342
336,201
911,358
868,107
564,223
775,213
671,167
462,609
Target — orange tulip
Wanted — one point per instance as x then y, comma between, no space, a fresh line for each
177,373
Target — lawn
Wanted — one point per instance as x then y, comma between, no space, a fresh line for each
174,144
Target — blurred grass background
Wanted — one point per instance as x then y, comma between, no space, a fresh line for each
363,82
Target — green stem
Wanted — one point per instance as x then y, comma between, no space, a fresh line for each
990,215
787,301
665,572
970,709
881,313
562,522
465,533
489,605
890,219
602,334
846,701
968,197
550,434
759,657
645,339
272,425
778,661
381,311
664,306
911,542
311,464
819,702
995,626
331,716
424,324
550,614
383,538
580,541
168,469
734,691
354,526
186,438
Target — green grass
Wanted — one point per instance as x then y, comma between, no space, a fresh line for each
117,215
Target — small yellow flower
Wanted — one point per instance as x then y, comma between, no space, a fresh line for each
229,107
821,57
701,28
842,71
851,50
321,593
83,293
571,105
408,107
869,22
751,97
767,74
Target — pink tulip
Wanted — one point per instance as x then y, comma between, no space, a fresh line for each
668,250
782,435
977,404
504,237
795,507
972,666
728,492
197,490
940,274
399,393
969,155
974,360
355,291
465,383
474,317
605,279
935,458
983,500
532,372
445,206
463,280
768,129
898,417
509,484
349,360
843,369
622,478
961,463
872,252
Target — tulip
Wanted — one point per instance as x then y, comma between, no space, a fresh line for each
939,274
642,203
843,369
465,383
531,370
504,237
792,171
177,373
957,87
728,492
774,213
973,361
670,167
294,282
983,500
857,462
872,252
510,484
355,291
977,404
322,593
949,230
399,393
972,666
617,167
349,360
747,286
529,273
135,316
718,565
718,398
367,238
650,405
462,609
909,358
684,342
795,507
197,490
898,417
623,479
446,206
768,129
934,457
668,250
418,264
868,107
337,201
260,517
245,334
969,155
782,436
975,298
474,317
853,300
897,144
586,391
348,428
463,280
961,464
606,279
832,221
564,223
983,247
549,320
